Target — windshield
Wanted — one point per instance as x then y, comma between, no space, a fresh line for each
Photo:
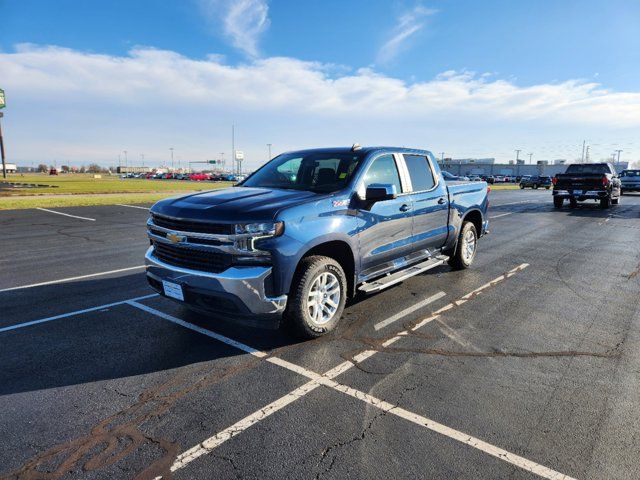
589,168
320,172
630,173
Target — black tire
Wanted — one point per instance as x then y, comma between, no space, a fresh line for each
615,201
557,202
547,187
535,186
521,187
573,203
605,202
297,315
460,260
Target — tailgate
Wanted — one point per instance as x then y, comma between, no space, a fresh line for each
580,182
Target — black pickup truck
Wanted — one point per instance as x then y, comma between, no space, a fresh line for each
587,181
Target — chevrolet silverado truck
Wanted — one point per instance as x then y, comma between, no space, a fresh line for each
629,181
587,181
310,229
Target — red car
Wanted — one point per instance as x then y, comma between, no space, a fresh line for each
198,177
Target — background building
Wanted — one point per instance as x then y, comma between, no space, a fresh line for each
483,167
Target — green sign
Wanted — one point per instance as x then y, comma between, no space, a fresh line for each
213,162
2,102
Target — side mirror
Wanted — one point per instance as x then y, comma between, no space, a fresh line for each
378,192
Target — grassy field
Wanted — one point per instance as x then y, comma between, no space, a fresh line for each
83,189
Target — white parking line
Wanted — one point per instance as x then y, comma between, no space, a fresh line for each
132,206
501,215
211,443
409,310
66,214
71,314
71,279
514,203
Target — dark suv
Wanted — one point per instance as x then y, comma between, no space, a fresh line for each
535,181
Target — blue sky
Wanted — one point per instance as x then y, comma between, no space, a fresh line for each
491,76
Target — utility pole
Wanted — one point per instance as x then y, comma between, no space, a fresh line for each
4,164
586,154
618,152
530,155
518,155
584,142
233,147
269,147
222,161
171,149
125,158
142,158
442,157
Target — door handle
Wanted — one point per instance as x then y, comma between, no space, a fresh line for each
441,201
405,208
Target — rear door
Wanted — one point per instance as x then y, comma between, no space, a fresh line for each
430,202
386,233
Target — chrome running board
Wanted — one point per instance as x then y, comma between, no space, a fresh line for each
401,275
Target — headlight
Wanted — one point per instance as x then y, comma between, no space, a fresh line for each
268,229
256,231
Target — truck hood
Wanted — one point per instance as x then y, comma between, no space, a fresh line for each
236,204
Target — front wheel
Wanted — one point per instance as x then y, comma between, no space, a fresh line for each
535,186
466,247
521,187
317,298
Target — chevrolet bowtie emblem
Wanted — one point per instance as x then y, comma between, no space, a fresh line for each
175,238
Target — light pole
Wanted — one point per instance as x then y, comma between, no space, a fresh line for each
269,147
171,148
442,157
530,155
518,155
142,158
125,158
618,152
4,165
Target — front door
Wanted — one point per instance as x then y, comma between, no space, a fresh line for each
386,233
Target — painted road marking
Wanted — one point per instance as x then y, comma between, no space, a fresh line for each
132,206
501,215
409,310
66,214
195,328
514,203
70,279
216,440
71,314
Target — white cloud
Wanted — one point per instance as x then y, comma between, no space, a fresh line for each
77,105
242,21
407,25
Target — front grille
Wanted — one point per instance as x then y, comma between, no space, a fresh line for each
193,226
192,259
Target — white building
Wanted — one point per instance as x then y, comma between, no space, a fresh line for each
10,167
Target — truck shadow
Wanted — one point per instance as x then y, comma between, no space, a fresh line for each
114,342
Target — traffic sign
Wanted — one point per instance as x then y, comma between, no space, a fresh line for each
213,162
2,101
239,155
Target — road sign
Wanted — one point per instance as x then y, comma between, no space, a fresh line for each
239,155
2,101
212,162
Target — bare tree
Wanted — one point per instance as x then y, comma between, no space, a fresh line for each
42,168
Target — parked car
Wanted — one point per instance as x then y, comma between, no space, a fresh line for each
587,181
453,178
53,171
198,177
475,178
535,182
629,181
309,229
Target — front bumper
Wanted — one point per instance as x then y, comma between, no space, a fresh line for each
237,294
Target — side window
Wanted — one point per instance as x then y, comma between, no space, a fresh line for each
383,170
420,172
290,169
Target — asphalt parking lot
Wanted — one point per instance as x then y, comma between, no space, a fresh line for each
525,366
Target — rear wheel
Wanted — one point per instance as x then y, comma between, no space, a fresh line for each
605,202
557,202
615,201
317,298
466,248
535,186
573,203
547,187
521,187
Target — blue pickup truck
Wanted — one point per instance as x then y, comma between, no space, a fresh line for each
310,229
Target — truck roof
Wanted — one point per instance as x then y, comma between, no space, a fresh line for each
364,150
